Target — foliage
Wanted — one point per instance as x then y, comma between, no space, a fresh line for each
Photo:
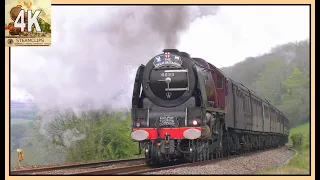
92,135
305,133
299,164
281,76
26,137
71,137
296,98
297,140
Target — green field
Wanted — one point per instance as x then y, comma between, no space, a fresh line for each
19,121
300,164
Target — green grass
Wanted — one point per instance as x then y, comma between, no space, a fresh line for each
20,121
300,164
31,157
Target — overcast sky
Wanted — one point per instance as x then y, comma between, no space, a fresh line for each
233,34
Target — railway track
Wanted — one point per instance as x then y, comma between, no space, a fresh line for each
125,167
141,169
55,169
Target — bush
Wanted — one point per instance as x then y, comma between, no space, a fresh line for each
297,140
89,135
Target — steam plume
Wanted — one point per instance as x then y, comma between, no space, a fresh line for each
94,50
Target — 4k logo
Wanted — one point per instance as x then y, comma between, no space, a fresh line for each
20,21
29,23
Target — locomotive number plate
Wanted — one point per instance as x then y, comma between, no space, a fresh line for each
168,121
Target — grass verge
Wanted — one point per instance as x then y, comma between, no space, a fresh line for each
299,164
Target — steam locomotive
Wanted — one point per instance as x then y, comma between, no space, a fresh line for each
184,108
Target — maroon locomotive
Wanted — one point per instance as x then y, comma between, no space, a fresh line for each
186,108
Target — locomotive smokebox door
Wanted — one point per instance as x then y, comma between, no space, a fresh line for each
169,79
169,84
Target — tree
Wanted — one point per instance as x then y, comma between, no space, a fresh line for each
296,101
281,76
269,83
92,135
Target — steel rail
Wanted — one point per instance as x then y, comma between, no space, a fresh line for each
140,169
71,166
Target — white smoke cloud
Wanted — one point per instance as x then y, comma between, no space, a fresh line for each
87,62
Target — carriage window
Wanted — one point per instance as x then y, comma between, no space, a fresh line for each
219,81
240,103
248,104
266,112
245,104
